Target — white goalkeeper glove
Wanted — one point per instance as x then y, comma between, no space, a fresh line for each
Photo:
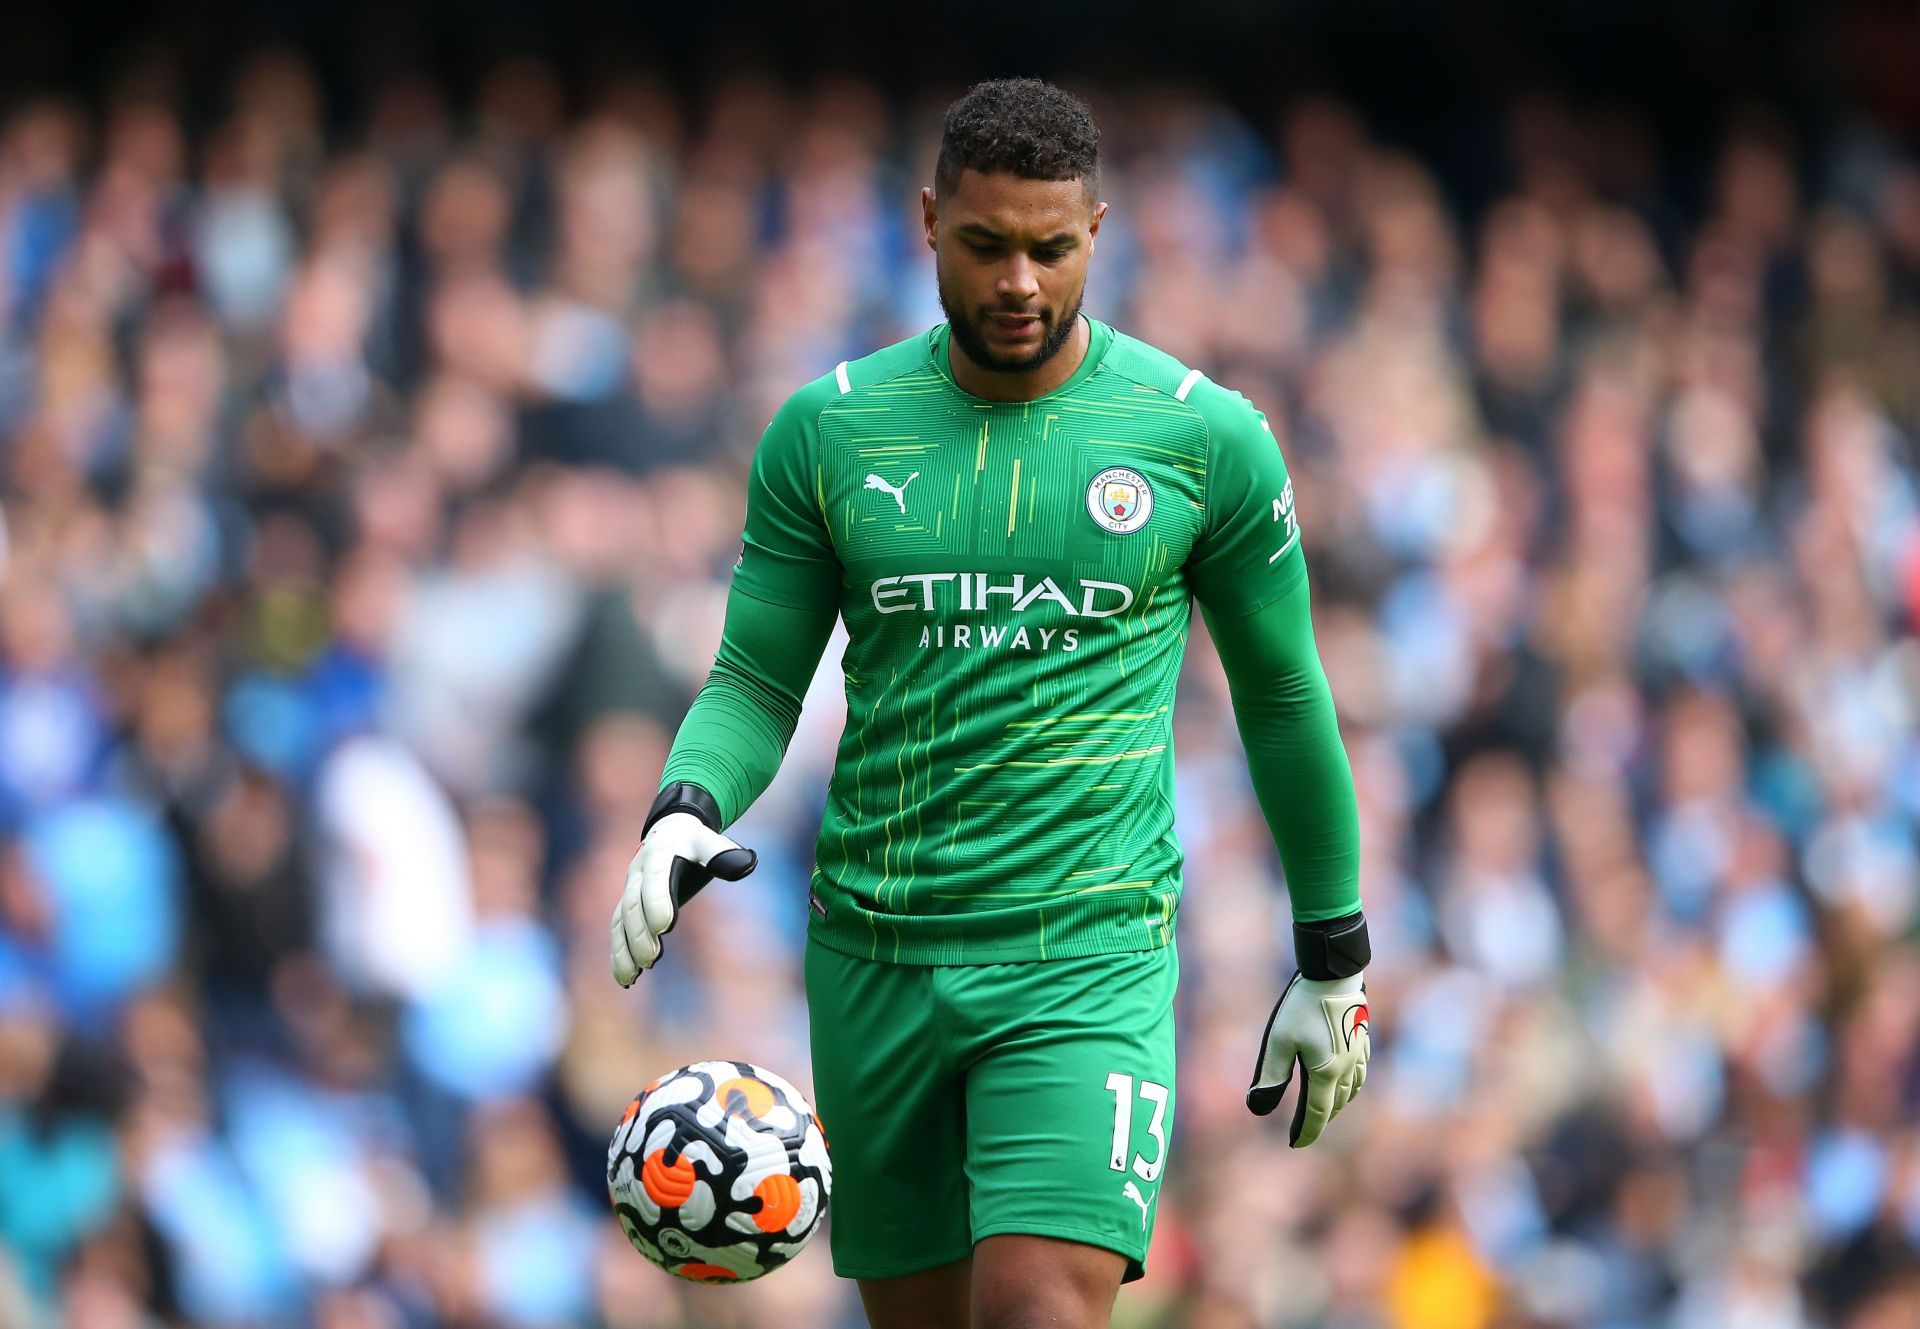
1319,1025
680,852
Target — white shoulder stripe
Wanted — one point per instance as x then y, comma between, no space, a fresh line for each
840,377
1186,385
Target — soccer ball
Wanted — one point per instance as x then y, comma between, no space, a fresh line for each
719,1172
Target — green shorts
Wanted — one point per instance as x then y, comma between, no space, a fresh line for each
963,1101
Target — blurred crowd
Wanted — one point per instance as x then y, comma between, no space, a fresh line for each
368,490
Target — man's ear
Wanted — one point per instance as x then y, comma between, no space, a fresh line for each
1093,227
930,215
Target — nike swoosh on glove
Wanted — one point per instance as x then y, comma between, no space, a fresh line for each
678,855
1320,1026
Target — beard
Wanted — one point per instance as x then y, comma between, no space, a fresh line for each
966,332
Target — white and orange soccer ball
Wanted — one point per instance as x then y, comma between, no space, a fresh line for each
719,1172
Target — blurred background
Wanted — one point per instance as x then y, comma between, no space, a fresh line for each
376,392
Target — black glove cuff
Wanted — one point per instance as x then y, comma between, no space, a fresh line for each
683,797
1333,947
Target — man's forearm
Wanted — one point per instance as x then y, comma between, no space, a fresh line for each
737,730
1299,767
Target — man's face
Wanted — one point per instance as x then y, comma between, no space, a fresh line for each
1011,259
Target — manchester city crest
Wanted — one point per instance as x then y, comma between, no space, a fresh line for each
1120,500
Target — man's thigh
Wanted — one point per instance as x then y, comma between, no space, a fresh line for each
1069,1096
1008,1280
891,1104
938,1298
1021,1280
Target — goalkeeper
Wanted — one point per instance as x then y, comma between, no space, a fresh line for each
1014,513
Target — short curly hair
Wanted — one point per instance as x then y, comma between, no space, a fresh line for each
1023,126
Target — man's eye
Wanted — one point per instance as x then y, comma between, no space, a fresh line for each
1053,255
984,250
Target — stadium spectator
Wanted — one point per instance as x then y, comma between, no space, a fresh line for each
368,504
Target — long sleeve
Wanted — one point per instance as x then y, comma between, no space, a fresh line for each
1292,736
737,730
780,611
1249,574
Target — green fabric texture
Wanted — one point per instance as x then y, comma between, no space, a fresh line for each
993,1098
1291,732
1017,580
737,730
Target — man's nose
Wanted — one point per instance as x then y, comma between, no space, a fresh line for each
1019,278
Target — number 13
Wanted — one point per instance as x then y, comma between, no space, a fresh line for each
1121,1087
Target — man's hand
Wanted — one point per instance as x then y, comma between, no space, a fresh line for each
679,854
1320,1025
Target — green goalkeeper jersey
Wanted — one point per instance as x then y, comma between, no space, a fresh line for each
1017,580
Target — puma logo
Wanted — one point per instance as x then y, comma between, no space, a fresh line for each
900,494
1132,1192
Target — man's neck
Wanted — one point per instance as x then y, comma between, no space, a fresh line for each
1023,384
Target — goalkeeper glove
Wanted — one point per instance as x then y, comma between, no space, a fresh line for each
681,850
1320,1025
